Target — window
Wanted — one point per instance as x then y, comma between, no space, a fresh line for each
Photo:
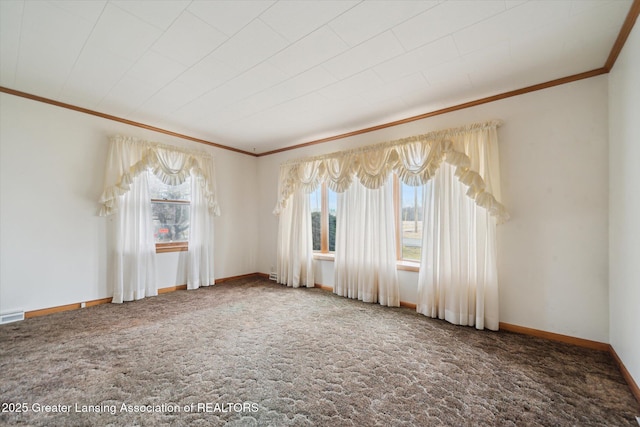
324,203
170,208
409,214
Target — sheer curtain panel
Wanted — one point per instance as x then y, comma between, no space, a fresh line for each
365,259
126,195
458,279
134,256
200,256
295,243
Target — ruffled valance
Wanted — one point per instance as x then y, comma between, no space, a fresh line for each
128,157
471,149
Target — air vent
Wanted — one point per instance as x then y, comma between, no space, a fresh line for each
273,276
13,316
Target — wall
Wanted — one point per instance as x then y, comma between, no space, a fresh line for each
624,205
53,244
553,253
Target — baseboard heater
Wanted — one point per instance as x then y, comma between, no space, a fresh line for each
13,316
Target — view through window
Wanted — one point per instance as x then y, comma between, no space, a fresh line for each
323,203
170,207
410,222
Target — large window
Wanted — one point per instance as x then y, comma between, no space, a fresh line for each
170,208
324,203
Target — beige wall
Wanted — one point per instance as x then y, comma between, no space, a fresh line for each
624,205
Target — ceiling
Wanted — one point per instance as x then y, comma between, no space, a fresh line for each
264,75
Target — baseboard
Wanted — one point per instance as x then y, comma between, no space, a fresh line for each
98,302
323,287
93,303
51,310
633,386
410,305
171,289
581,342
330,289
242,276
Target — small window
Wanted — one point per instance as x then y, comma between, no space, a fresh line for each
410,222
170,208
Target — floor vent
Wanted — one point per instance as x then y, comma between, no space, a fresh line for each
14,316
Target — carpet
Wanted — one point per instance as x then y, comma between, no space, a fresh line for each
254,353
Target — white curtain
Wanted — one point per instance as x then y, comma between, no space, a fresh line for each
458,273
126,194
200,256
458,269
414,159
295,243
294,265
365,259
134,258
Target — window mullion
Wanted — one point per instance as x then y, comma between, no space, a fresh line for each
171,201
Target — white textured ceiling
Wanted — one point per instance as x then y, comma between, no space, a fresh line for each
265,75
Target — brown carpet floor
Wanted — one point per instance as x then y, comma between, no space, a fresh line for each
251,352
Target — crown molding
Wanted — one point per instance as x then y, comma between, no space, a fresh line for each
627,26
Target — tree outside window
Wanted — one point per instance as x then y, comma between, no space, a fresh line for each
170,208
323,204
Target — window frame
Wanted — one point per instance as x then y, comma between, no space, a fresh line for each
165,247
324,222
398,206
401,263
325,254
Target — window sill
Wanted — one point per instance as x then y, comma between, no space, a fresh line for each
408,265
172,247
400,264
324,257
